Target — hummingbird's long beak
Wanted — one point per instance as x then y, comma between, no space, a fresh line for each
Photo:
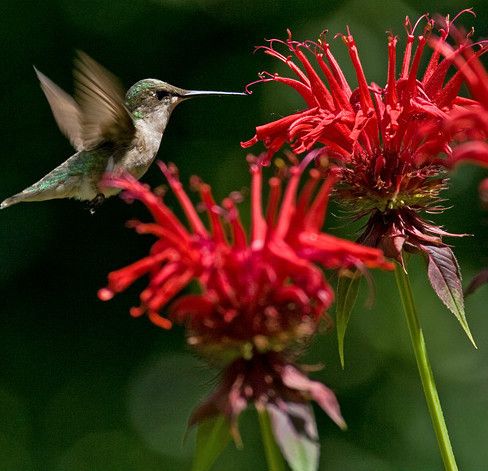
194,93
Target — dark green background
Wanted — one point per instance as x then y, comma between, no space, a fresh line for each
84,387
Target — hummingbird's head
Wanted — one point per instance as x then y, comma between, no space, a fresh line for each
157,99
150,95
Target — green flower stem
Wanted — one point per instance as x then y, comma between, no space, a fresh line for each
428,383
273,454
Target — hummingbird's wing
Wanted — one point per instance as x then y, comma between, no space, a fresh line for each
65,110
100,96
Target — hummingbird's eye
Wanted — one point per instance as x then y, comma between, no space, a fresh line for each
160,94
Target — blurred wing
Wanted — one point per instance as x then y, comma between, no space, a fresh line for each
65,110
101,100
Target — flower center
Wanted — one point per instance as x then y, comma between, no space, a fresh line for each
386,181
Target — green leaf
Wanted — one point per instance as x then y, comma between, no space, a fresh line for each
274,456
295,431
346,296
445,278
213,435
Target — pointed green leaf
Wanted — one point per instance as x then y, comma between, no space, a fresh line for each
445,277
213,435
295,432
274,456
346,296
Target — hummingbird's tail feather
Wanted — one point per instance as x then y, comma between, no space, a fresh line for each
62,182
24,196
9,202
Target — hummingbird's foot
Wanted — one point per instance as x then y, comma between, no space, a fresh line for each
95,203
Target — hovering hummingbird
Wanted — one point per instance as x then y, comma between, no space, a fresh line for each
110,132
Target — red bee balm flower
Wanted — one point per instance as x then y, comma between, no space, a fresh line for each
265,288
392,130
390,144
388,141
258,297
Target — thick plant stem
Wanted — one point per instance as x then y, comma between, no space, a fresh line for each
273,454
428,383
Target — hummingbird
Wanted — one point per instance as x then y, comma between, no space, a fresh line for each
112,131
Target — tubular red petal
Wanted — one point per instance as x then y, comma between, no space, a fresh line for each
250,142
412,75
332,252
315,217
121,279
434,85
407,55
273,200
319,90
391,93
303,89
185,202
288,204
171,238
339,94
239,235
210,206
307,192
370,138
258,222
159,320
302,77
432,67
337,71
164,274
366,102
167,290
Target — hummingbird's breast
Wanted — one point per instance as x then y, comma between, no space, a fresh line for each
141,155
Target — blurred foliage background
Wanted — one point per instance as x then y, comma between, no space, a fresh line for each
83,386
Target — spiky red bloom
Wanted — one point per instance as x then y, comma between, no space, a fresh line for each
393,132
258,297
266,287
391,143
